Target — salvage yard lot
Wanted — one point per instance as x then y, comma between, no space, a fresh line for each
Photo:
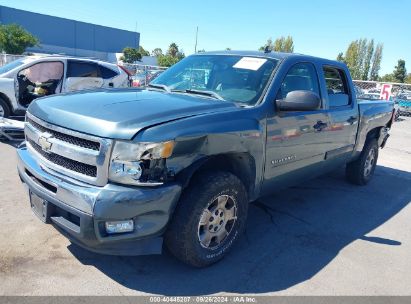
325,237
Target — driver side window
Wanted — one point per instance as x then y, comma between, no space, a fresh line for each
301,76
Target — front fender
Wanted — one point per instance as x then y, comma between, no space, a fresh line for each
200,137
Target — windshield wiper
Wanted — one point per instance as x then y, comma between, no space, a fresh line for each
159,86
201,92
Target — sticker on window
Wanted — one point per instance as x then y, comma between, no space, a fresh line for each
249,63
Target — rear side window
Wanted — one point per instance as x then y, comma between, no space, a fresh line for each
337,88
301,76
107,73
82,69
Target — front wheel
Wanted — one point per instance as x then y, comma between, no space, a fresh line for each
361,171
208,220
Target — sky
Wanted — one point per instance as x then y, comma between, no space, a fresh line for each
319,27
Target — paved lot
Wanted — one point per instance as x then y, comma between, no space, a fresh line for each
325,237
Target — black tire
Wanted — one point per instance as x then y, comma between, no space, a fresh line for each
358,172
183,235
4,109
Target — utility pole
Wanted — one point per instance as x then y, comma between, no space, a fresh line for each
195,47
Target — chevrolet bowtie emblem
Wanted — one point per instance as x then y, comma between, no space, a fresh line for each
44,142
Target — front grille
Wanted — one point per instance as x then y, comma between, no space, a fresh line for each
64,162
80,142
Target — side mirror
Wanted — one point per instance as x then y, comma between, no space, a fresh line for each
299,101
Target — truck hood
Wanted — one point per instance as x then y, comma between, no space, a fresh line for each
120,113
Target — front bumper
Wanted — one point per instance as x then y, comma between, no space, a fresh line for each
79,210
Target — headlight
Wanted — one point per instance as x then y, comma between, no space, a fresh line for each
139,163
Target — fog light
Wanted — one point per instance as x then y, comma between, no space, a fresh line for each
119,226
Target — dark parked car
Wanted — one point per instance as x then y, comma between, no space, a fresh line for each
119,171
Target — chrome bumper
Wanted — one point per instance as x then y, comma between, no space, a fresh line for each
150,209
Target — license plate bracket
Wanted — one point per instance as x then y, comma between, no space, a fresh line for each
39,207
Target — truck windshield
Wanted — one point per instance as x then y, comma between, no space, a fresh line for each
11,65
239,79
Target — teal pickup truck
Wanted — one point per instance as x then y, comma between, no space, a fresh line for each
119,171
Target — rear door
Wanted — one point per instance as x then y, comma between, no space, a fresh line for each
82,75
343,113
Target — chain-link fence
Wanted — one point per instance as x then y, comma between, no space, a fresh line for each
374,88
400,93
7,58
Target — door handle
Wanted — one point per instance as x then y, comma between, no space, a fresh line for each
352,120
319,126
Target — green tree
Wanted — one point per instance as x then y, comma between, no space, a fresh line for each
201,51
14,39
143,52
172,50
172,56
362,59
400,72
352,59
130,55
376,62
387,78
167,60
340,57
228,49
282,44
408,78
367,63
157,52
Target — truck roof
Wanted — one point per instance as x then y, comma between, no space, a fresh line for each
274,55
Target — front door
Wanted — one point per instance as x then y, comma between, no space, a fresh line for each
296,141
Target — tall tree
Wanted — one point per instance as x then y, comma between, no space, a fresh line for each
173,56
14,39
376,62
173,50
400,72
281,44
408,79
352,59
157,52
361,57
367,64
387,78
130,55
143,52
362,52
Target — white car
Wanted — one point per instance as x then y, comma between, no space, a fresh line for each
26,79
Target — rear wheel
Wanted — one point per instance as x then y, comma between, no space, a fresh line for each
361,171
208,220
4,109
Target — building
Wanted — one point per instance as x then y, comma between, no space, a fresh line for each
71,37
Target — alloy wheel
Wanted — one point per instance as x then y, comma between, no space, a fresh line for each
369,163
217,221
